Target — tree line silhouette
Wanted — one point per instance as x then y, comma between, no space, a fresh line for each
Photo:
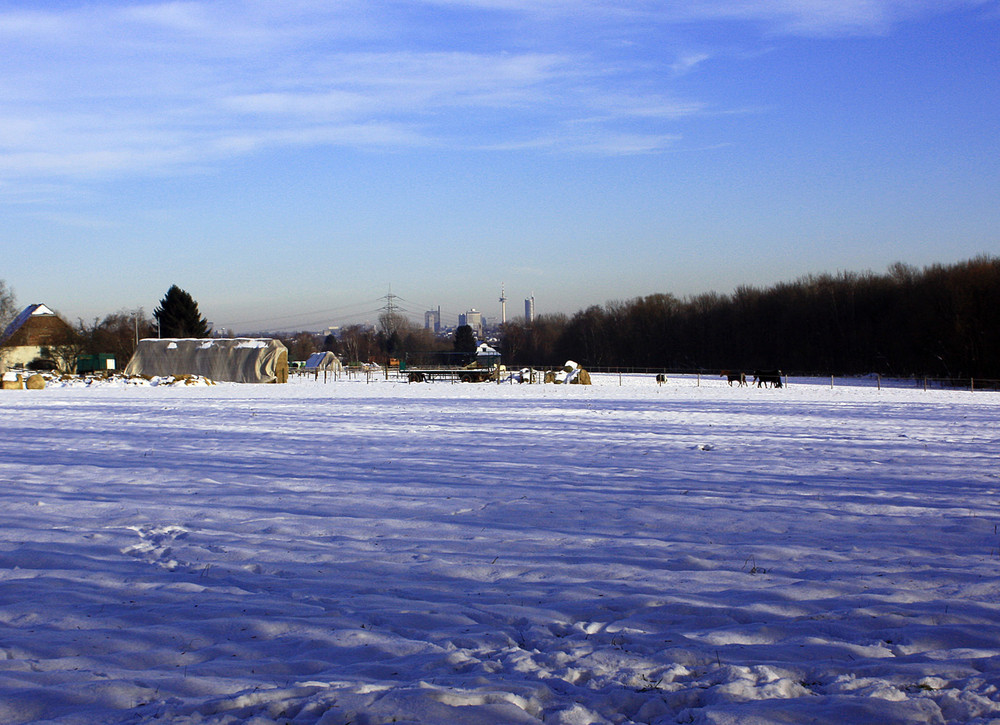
942,321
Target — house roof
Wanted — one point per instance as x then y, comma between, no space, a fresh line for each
37,325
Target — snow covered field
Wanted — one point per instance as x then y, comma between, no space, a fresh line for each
437,553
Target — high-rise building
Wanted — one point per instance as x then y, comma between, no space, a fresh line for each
432,320
529,310
474,319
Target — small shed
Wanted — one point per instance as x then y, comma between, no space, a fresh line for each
486,356
234,360
102,362
323,362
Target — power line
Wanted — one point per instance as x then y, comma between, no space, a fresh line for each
391,303
331,312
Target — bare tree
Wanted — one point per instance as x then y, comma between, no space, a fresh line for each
358,343
300,345
8,305
393,328
8,311
67,350
117,333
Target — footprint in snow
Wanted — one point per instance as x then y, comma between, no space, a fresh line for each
154,544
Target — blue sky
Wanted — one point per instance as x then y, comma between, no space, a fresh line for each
290,163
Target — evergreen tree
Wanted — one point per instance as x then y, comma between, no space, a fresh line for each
465,339
178,315
465,342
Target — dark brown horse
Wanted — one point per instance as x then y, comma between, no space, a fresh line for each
739,378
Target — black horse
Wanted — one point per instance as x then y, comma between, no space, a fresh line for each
767,378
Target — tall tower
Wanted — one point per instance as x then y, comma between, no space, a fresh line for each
529,309
503,306
388,319
390,302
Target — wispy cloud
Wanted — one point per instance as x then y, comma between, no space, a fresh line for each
113,88
687,62
826,17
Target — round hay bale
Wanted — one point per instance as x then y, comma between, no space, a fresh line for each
582,378
35,382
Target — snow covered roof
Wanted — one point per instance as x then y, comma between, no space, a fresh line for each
323,361
36,310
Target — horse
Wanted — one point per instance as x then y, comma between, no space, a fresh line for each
767,378
739,378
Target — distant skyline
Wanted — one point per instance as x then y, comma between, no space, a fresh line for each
289,164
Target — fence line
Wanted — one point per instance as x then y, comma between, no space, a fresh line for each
697,377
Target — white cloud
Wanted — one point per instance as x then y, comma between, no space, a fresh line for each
115,87
814,17
184,17
689,61
811,17
331,103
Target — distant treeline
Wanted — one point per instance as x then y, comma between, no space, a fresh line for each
941,321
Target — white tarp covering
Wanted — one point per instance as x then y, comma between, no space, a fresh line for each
323,361
235,360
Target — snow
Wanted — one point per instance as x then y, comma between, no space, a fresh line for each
369,551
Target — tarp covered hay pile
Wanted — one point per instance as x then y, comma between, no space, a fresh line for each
236,360
323,362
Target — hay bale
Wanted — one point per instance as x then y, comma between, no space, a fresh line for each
35,382
582,378
12,383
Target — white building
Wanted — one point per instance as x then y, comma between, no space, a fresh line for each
474,319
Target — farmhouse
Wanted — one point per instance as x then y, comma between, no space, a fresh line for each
235,360
32,339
